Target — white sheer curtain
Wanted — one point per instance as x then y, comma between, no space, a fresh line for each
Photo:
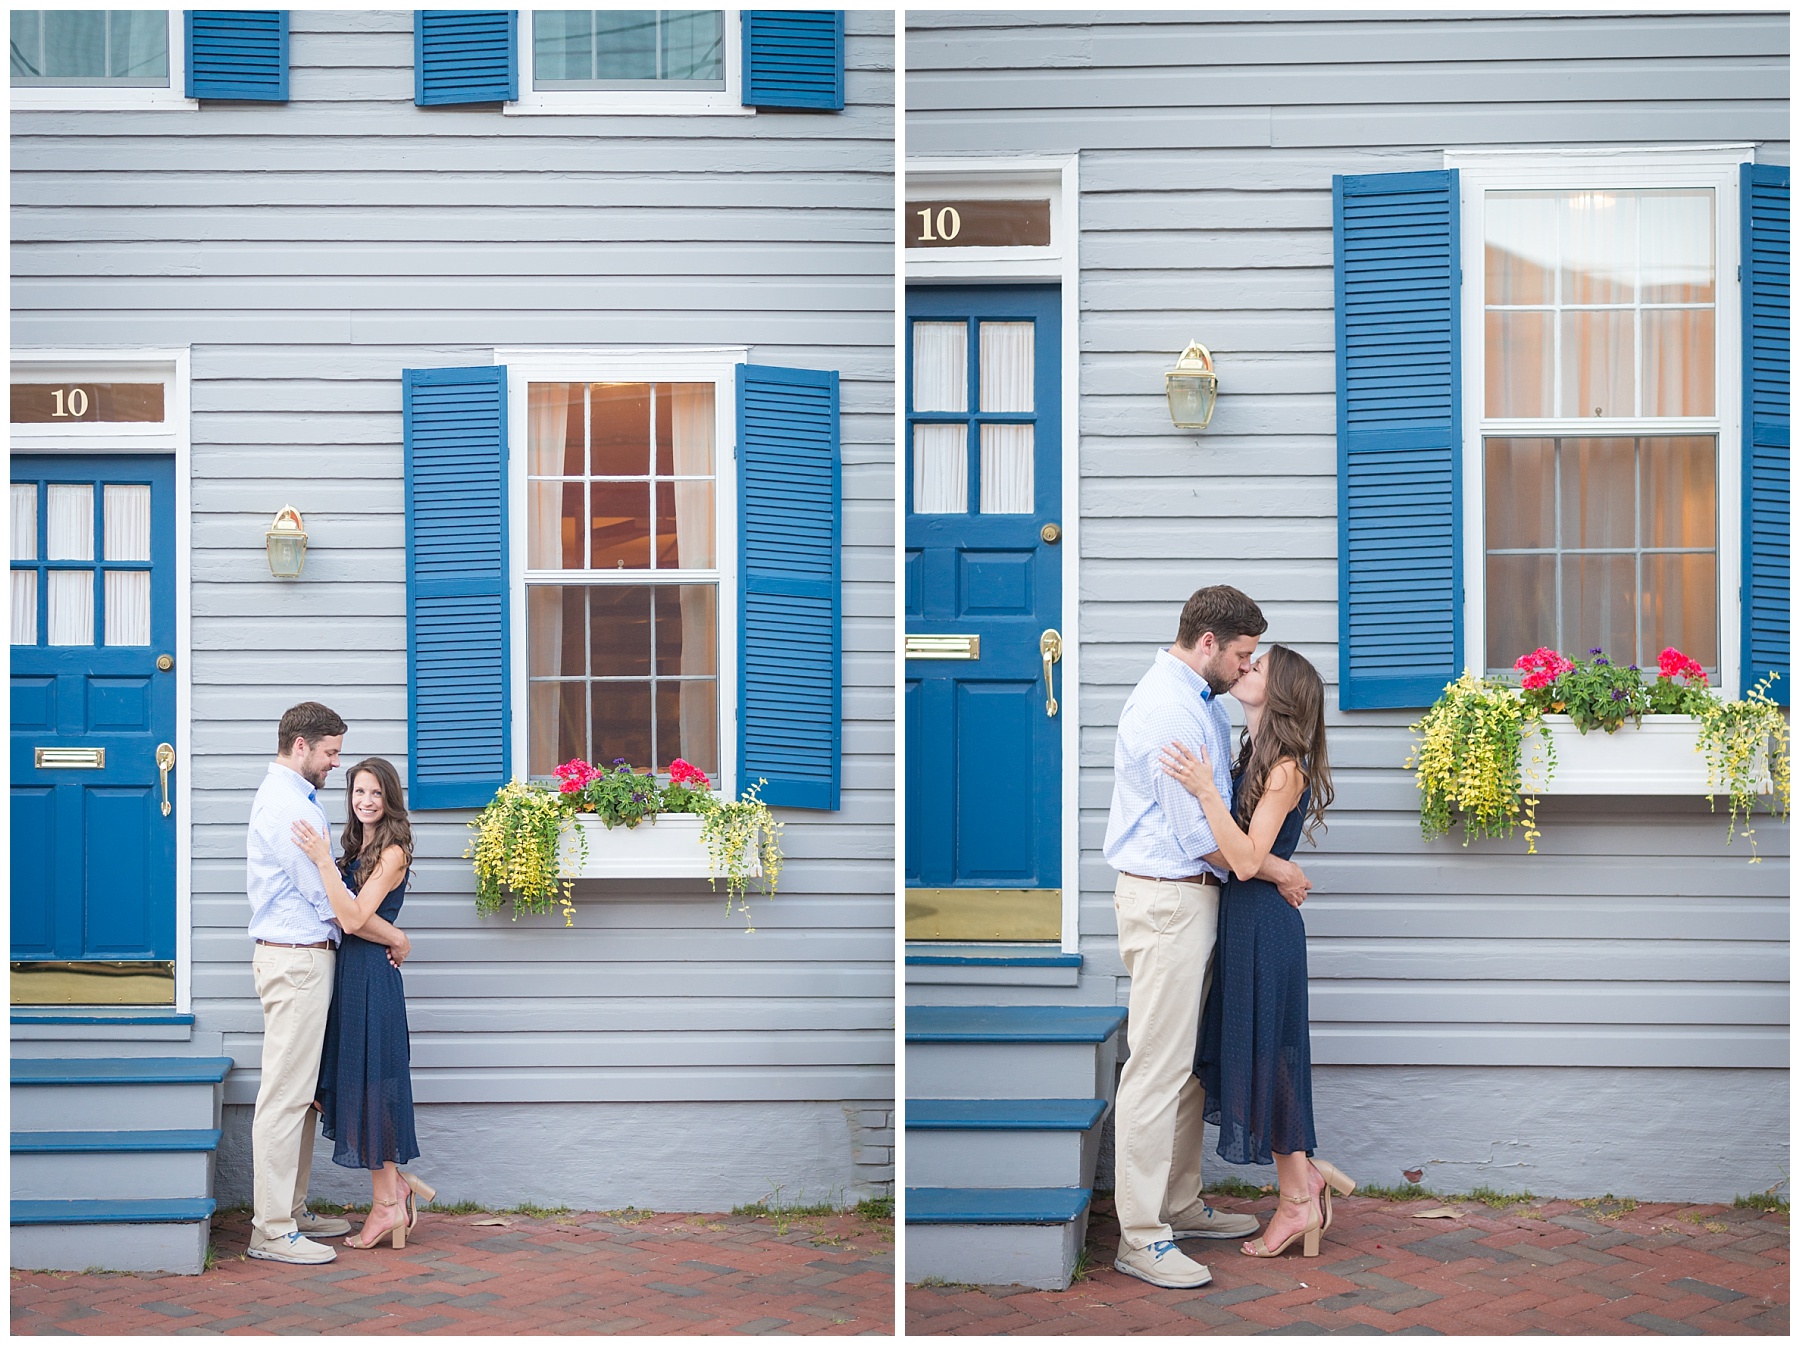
1007,357
125,522
1008,474
1007,459
692,422
549,406
940,469
940,366
70,537
24,548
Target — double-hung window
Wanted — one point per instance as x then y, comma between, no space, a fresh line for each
629,61
96,58
626,552
1602,458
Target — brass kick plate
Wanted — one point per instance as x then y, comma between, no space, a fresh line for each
1013,914
151,982
943,647
88,759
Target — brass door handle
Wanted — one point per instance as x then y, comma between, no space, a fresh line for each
1050,646
165,759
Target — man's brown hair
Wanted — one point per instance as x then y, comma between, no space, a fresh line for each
1227,612
310,721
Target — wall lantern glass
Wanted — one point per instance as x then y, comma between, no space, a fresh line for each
286,540
1193,388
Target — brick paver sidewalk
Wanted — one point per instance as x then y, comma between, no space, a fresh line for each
1552,1267
587,1273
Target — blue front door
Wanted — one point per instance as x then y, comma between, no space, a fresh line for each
983,605
93,609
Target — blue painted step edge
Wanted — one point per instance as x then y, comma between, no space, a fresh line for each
1003,1114
122,1070
177,1210
1012,1023
113,1142
100,1017
997,959
984,1205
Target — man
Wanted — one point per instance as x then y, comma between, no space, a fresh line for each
296,941
1167,903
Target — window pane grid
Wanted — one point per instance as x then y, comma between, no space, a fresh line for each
622,584
969,383
1530,598
1536,267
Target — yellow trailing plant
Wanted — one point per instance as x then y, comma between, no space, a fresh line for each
1746,742
517,853
1467,759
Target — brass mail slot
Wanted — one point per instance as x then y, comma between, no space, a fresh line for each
943,647
89,759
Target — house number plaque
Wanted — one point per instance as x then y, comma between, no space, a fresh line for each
72,403
977,224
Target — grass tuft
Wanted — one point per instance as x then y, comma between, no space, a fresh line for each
1764,1201
1487,1196
1608,1207
1410,1192
876,1208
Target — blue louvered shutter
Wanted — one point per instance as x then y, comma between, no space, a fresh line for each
1399,432
789,672
237,53
1763,190
465,56
794,58
456,591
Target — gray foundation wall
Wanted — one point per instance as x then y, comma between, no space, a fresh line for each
1657,1135
605,1156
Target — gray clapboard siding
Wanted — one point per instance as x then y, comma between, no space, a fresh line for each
1207,145
308,253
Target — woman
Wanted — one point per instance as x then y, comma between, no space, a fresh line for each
1254,1055
365,1081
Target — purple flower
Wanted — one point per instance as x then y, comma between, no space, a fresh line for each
1634,668
1601,662
1617,695
1596,650
620,761
636,798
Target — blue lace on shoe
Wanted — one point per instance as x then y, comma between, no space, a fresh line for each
1166,1246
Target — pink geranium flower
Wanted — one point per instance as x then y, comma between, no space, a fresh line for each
1672,663
1541,667
683,772
574,775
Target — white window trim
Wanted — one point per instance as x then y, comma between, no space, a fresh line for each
709,364
117,98
993,180
1714,166
1004,178
103,436
102,366
726,102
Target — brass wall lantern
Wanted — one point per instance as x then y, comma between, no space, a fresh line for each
286,541
1193,388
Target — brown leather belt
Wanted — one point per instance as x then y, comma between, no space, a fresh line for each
277,944
1211,880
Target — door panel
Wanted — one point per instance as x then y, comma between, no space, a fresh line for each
983,479
93,866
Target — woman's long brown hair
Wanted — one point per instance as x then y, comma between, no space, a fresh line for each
392,830
1292,726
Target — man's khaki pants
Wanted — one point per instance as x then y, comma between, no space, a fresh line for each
295,988
1166,934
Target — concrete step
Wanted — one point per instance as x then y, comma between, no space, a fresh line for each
117,1094
106,1165
166,1235
1012,1051
1014,1142
979,1236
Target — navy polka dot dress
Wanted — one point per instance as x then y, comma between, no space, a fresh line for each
1254,1057
365,1073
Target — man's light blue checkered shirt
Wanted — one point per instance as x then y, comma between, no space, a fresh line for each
287,897
1157,829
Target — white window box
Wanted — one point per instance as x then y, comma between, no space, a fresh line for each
1659,756
667,848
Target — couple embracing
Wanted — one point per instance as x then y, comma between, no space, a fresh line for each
1208,906
327,965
